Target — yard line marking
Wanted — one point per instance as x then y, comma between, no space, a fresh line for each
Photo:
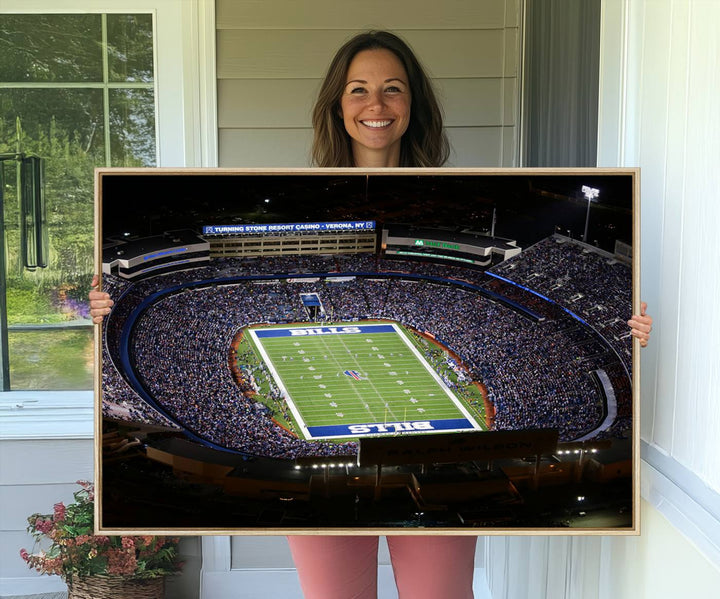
281,385
436,376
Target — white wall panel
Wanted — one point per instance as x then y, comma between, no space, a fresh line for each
19,501
475,146
265,103
35,475
541,567
668,409
510,101
666,122
460,99
470,146
558,564
270,53
510,141
652,90
260,552
45,462
671,131
265,147
698,413
11,564
400,14
660,564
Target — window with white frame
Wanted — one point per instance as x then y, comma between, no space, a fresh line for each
77,91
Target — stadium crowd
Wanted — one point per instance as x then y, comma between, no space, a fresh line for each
537,371
593,285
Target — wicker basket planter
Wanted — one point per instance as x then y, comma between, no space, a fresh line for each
116,587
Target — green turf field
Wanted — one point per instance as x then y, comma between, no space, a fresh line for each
355,379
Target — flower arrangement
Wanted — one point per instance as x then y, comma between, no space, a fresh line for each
75,553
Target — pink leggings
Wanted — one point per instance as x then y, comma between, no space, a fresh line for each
425,567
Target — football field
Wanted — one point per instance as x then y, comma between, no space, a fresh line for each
358,379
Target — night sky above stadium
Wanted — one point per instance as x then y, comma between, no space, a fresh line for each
526,207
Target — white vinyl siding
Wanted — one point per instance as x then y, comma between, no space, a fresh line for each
271,58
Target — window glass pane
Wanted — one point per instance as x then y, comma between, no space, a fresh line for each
65,128
50,48
49,328
53,359
130,48
53,122
132,127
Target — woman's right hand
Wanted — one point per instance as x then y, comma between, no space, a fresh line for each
100,302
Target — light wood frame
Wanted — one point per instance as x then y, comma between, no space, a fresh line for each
104,177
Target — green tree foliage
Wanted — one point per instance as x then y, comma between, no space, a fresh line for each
51,47
69,198
66,127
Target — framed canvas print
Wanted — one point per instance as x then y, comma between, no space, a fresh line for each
397,351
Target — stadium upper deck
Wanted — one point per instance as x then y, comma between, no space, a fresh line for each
525,364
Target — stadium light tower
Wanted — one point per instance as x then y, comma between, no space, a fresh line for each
590,193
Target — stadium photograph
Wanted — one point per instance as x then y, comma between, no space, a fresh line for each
389,350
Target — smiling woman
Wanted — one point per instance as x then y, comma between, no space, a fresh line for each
375,107
363,114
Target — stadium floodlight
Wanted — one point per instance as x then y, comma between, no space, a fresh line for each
590,194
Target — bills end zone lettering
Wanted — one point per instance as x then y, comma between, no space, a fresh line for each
390,428
316,331
325,331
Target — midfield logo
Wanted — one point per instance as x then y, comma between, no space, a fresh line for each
353,374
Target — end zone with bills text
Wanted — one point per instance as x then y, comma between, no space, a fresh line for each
358,379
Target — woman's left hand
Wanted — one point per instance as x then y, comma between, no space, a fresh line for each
641,325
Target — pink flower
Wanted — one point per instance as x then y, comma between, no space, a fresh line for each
59,512
44,526
24,555
128,543
53,565
121,562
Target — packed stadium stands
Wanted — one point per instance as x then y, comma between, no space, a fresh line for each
537,371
